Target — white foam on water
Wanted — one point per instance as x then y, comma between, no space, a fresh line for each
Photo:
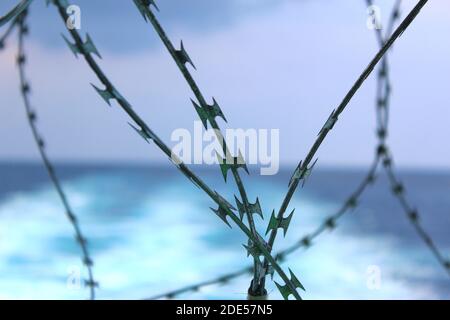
169,240
29,269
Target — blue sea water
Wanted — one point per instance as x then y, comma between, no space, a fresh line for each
151,231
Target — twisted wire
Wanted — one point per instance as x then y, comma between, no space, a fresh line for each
398,189
25,89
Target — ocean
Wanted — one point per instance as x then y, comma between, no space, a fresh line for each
151,231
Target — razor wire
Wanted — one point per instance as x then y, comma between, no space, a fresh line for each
381,155
257,246
87,49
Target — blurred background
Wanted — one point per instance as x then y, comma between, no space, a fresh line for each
270,65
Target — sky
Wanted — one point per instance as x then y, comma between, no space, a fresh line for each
271,64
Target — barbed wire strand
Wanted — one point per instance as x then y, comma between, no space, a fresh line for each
303,169
181,59
196,287
14,12
7,33
398,189
413,215
32,118
87,49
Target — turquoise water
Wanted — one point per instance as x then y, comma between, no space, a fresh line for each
151,231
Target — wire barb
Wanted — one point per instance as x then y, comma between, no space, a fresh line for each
253,208
88,46
285,290
279,223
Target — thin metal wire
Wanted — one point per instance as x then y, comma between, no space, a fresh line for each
7,33
14,12
38,138
398,189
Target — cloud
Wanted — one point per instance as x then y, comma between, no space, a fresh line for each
287,69
124,21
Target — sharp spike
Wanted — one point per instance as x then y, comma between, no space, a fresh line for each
222,215
105,94
90,47
201,113
183,56
72,47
